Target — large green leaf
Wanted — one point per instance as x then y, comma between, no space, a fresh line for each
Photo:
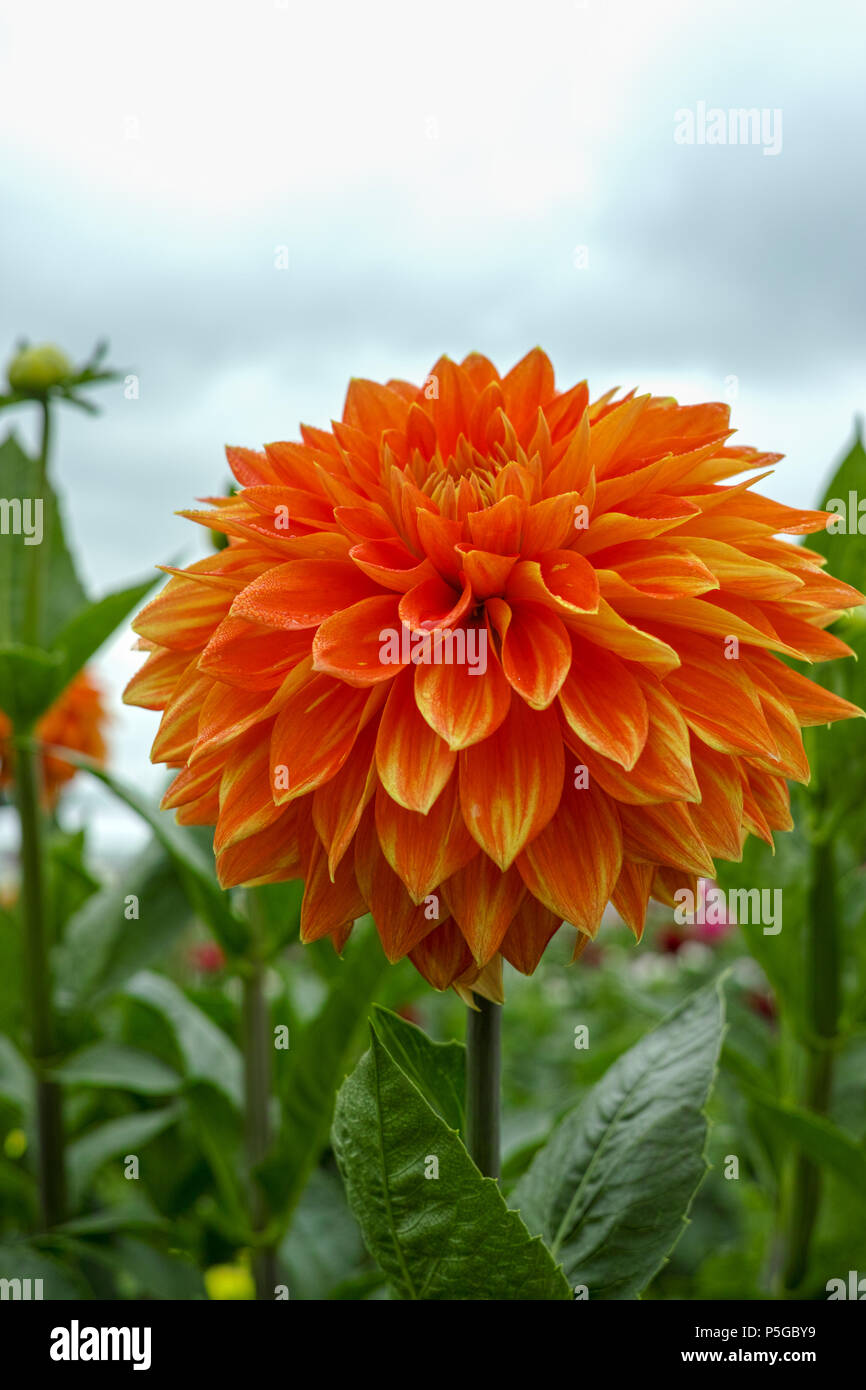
208,1054
443,1236
124,1068
437,1069
309,1072
611,1190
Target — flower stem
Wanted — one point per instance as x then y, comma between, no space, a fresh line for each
823,1005
257,1075
483,1053
49,1116
40,558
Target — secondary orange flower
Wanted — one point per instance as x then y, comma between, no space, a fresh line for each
75,720
484,656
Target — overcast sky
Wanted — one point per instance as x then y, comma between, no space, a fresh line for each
443,178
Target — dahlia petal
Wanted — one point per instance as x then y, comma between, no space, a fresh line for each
529,934
313,735
510,785
561,579
373,408
271,856
656,568
442,956
424,849
811,703
439,536
184,615
432,604
391,564
153,686
329,904
549,525
631,895
339,804
665,835
348,645
413,762
252,656
302,593
483,901
178,728
527,386
604,704
246,790
460,707
486,573
498,528
401,924
718,817
573,865
535,649
609,630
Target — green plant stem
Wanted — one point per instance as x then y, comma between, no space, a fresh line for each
483,1064
257,1073
40,552
49,1115
823,1002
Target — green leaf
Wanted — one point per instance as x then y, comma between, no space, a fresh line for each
207,1053
324,1247
28,681
611,1189
128,1134
309,1072
843,546
62,593
437,1069
101,947
124,1068
828,1146
194,866
445,1237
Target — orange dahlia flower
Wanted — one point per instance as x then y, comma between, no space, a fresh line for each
629,722
75,720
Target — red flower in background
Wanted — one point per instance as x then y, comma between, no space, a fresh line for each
76,720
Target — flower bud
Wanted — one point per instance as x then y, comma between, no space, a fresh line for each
38,368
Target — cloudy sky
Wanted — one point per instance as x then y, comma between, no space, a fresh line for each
257,199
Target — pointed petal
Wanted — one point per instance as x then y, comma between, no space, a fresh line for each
604,704
483,900
573,865
511,784
414,763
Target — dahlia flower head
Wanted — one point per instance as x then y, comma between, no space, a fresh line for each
76,720
485,656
